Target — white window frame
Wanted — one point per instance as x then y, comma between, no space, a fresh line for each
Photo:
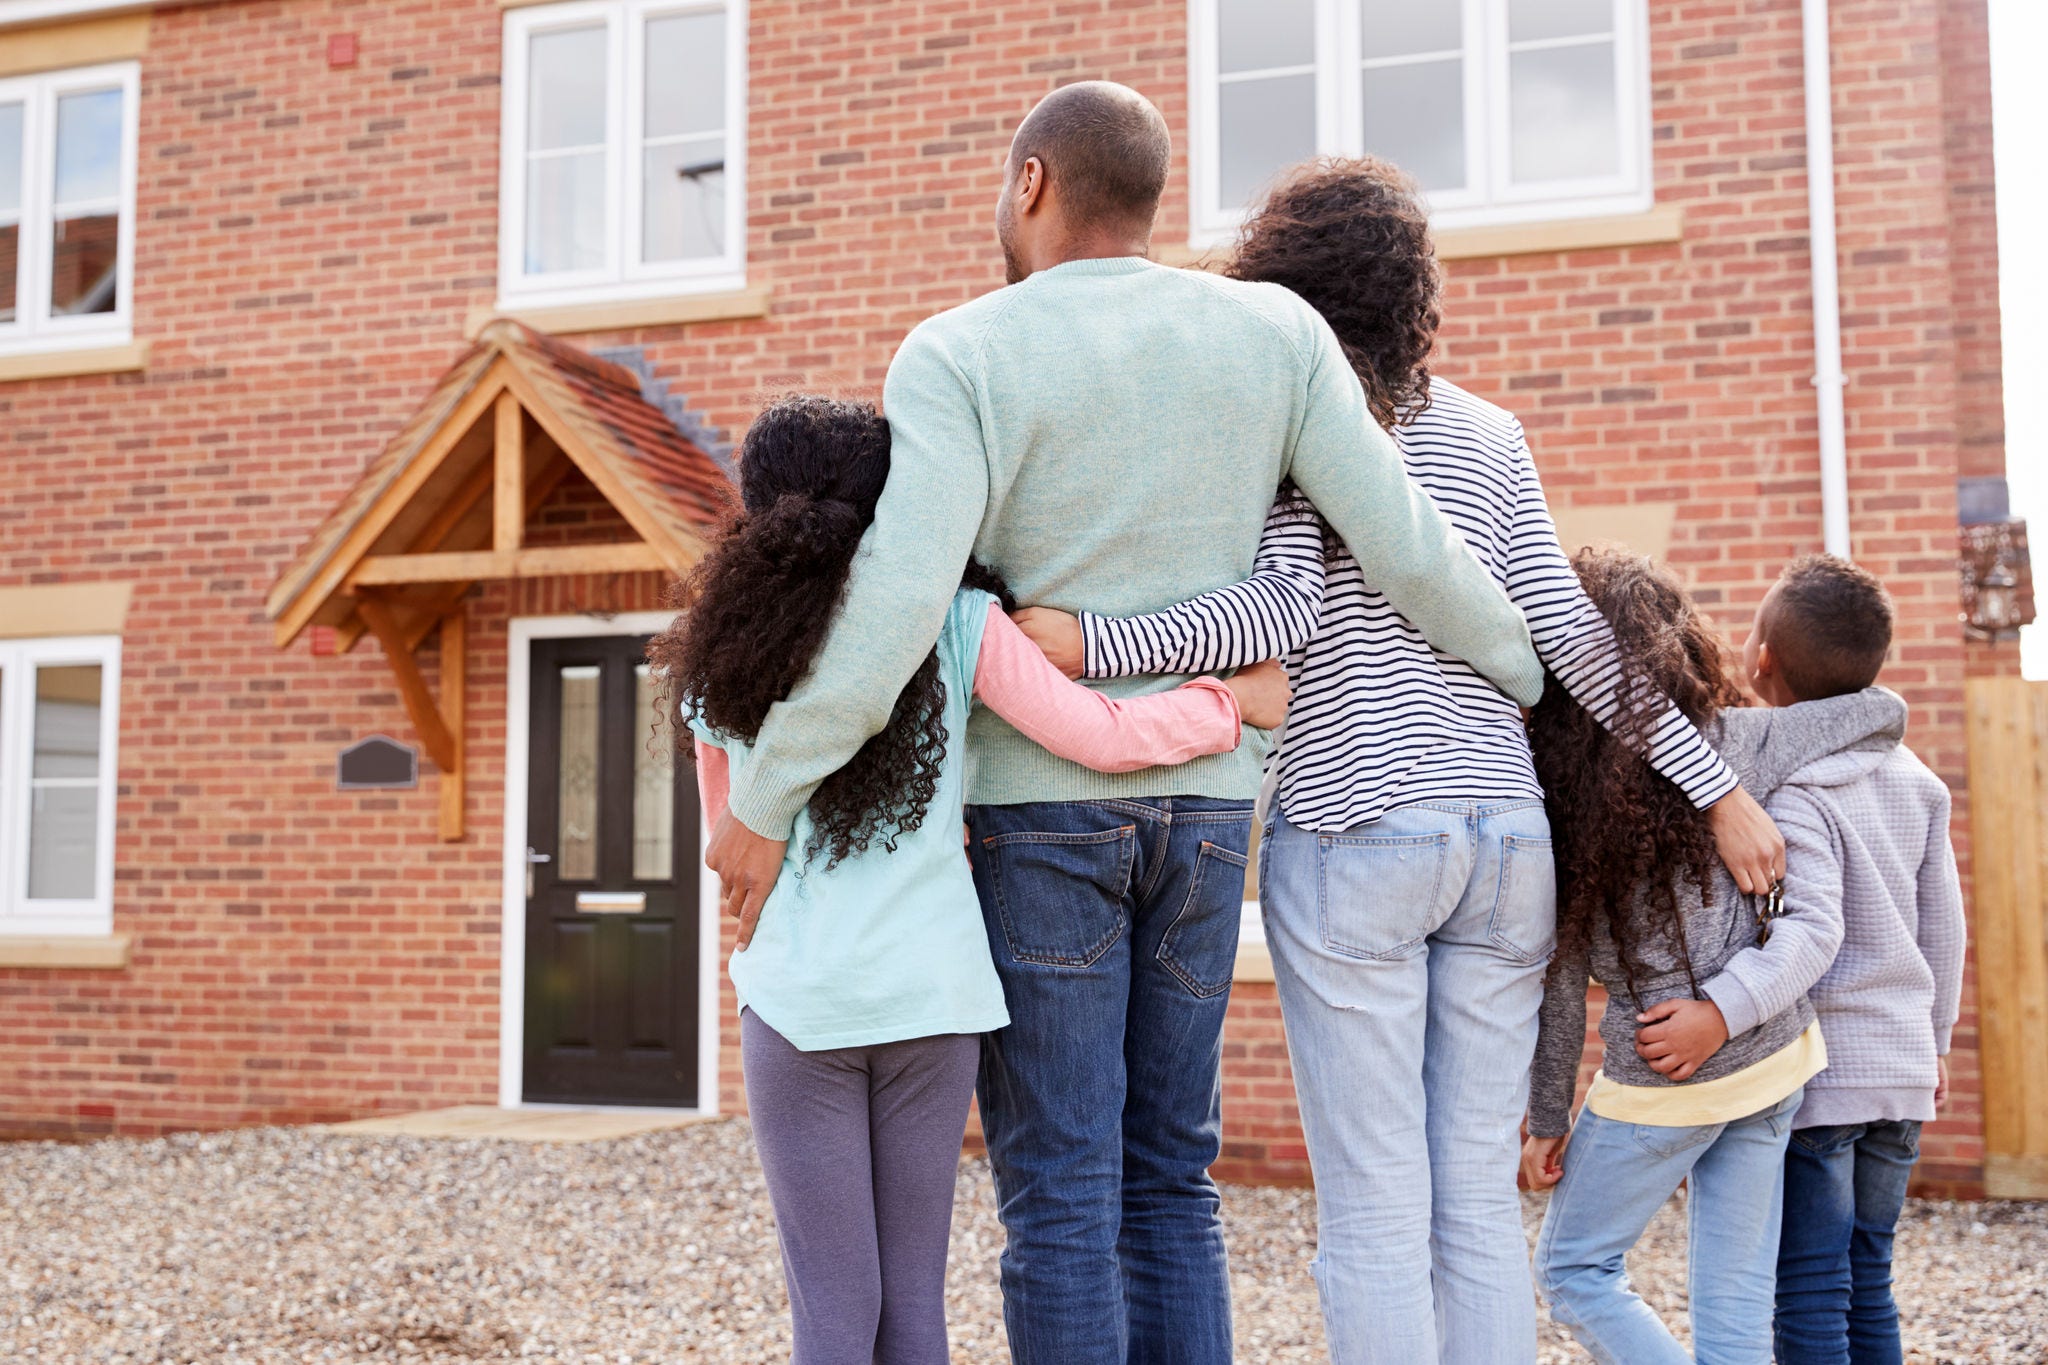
624,275
20,916
35,329
1490,198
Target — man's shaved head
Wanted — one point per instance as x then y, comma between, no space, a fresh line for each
1105,151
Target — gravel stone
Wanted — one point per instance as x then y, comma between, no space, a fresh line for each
289,1245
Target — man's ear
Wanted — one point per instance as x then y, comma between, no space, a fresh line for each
1030,185
1766,662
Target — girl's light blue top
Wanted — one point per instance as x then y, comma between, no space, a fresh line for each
887,945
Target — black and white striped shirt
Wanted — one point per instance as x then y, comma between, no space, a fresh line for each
1380,719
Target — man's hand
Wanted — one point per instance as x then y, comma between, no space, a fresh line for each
1543,1162
747,866
1748,842
1057,635
1940,1083
1262,694
1680,1036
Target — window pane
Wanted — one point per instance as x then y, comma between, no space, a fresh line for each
10,269
1415,118
565,212
1532,20
63,839
565,98
10,161
576,785
1561,104
85,265
67,722
654,784
10,207
685,74
64,791
1397,28
88,147
1266,125
683,200
1252,35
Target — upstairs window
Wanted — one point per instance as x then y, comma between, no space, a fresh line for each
67,208
1503,110
58,699
624,137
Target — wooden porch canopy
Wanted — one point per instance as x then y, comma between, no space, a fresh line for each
445,505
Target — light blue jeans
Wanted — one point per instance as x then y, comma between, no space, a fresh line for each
1410,954
1616,1177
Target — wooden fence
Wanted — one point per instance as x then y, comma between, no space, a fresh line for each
2008,729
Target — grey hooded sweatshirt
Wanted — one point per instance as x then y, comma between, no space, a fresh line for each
1760,989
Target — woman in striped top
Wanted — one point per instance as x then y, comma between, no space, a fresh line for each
1406,879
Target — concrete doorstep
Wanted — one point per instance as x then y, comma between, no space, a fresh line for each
517,1125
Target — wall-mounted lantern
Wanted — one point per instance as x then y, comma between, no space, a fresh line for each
1997,578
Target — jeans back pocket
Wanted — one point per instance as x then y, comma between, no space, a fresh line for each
1379,895
1200,946
1061,896
1524,922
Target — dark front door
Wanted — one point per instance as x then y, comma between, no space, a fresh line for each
611,907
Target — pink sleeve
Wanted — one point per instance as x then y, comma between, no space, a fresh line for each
1107,734
714,781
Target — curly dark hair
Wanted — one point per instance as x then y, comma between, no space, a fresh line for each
757,608
1351,238
1628,841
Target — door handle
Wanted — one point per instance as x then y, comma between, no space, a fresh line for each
531,859
610,902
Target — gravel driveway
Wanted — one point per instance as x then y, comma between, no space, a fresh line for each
287,1245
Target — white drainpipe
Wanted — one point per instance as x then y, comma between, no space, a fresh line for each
1828,378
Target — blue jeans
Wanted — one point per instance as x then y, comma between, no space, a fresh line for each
1410,955
1114,929
1844,1186
1616,1177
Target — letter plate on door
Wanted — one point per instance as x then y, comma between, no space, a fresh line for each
610,902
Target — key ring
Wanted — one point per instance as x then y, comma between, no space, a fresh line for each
1773,907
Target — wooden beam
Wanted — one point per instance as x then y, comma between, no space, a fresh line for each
470,565
508,517
454,709
622,499
296,612
412,688
544,484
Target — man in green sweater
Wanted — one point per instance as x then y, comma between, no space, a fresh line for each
1108,434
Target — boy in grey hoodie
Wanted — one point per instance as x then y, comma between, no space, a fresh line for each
1709,1038
1867,829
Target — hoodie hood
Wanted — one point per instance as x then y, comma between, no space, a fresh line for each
1817,743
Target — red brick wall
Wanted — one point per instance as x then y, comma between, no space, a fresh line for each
311,241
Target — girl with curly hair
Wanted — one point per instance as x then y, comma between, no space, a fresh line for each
866,982
1406,880
1708,1036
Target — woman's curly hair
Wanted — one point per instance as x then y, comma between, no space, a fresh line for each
1352,239
1628,841
757,608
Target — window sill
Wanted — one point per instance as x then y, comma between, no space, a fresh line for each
119,359
83,951
571,319
1655,227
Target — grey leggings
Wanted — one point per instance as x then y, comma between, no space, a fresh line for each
861,1146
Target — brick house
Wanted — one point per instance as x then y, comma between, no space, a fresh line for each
254,407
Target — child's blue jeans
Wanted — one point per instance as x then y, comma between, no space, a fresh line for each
1616,1177
1844,1186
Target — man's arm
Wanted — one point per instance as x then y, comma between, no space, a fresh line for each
904,577
1406,548
1267,616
